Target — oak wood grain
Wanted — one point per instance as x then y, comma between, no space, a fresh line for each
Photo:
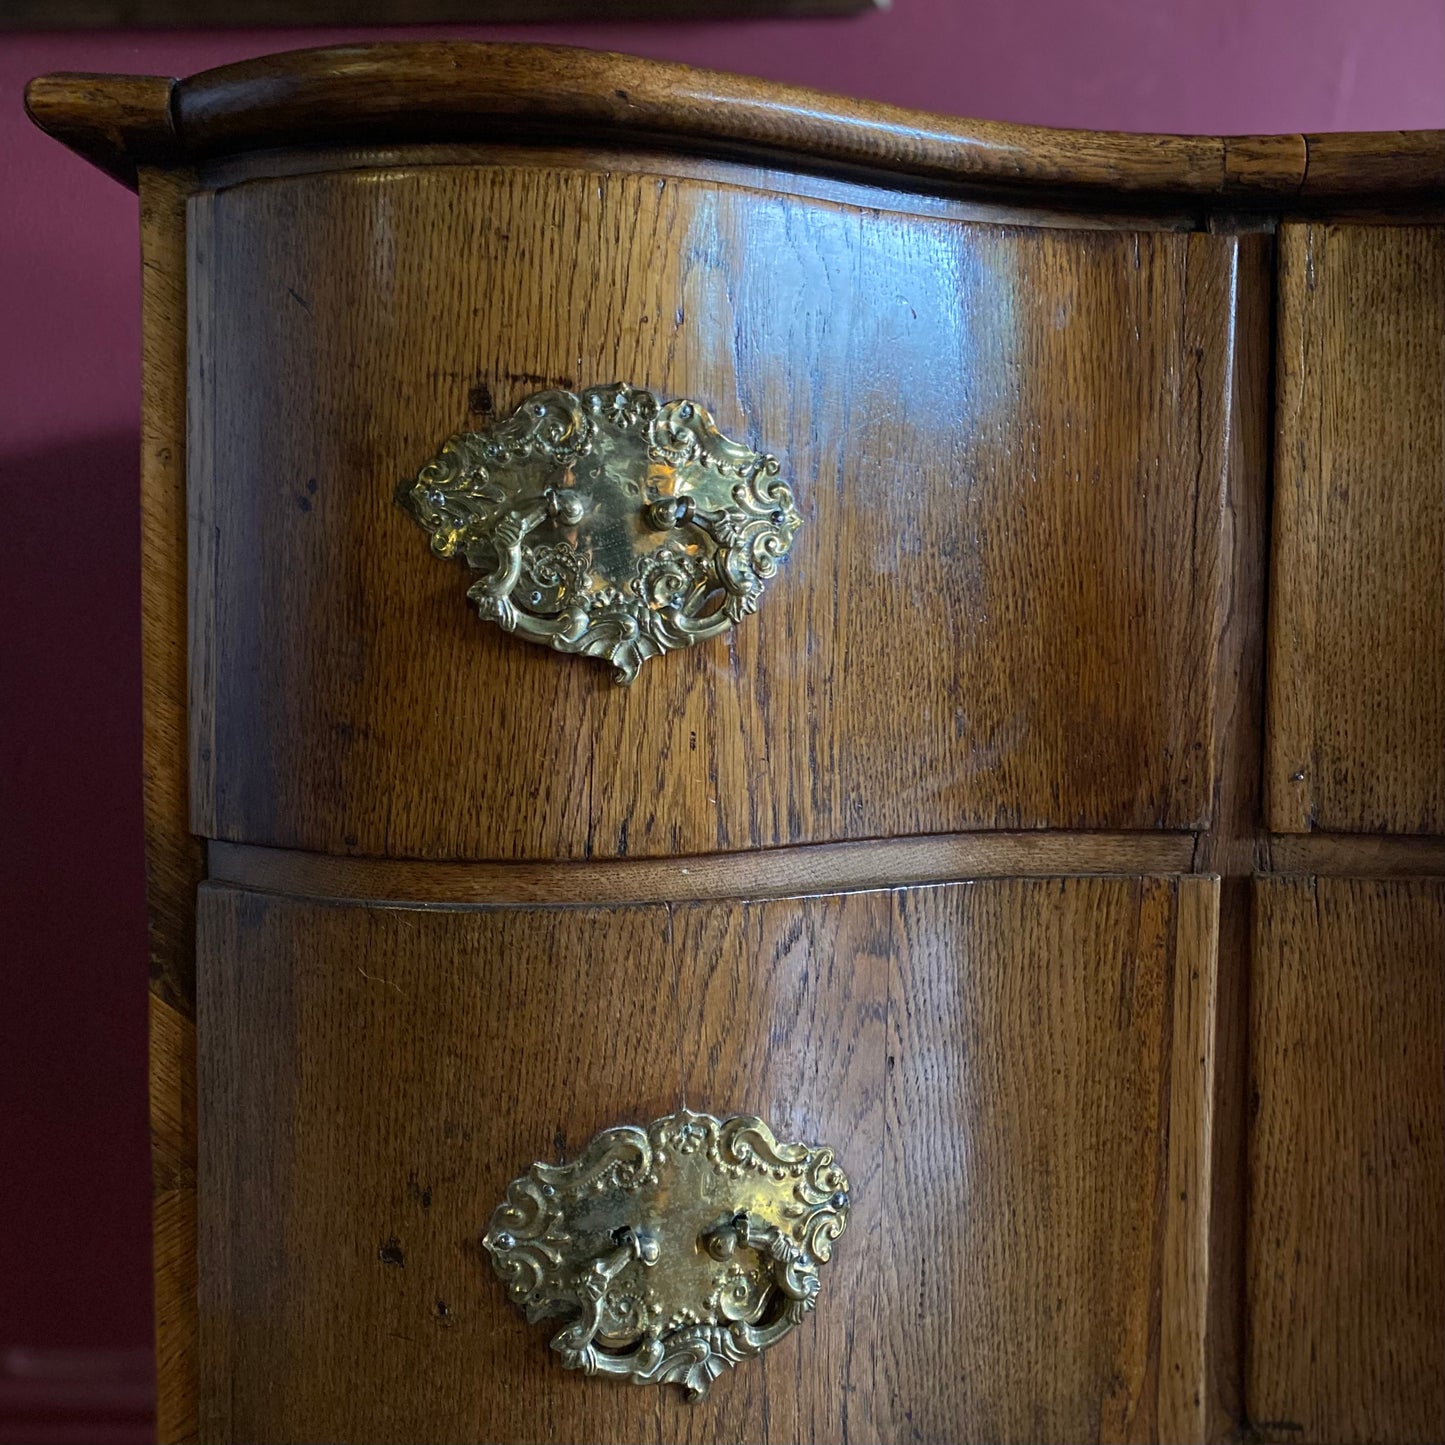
1228,845
397,92
1030,1029
373,1078
120,123
1008,459
1185,1324
1201,1390
1201,1350
172,1098
173,1224
175,861
827,868
1337,165
175,1265
1357,669
792,872
781,1007
174,858
996,1063
1347,1162
872,192
1354,855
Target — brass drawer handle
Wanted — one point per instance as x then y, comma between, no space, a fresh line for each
610,524
681,1248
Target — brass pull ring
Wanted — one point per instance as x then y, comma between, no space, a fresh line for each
681,1249
560,507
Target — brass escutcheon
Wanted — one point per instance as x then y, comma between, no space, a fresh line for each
679,1249
610,523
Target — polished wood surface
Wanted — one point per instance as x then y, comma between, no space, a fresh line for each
994,1062
1026,1155
1227,844
175,861
781,1010
173,1232
774,873
1339,165
457,90
1353,855
462,1046
1011,461
1206,1402
121,123
1347,1162
1357,664
873,194
1201,1390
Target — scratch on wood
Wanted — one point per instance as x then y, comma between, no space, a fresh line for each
376,978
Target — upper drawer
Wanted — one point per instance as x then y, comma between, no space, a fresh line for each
1357,618
1009,448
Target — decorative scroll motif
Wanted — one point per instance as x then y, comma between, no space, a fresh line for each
679,1249
610,524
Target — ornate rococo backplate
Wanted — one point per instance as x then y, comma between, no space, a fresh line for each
680,1249
610,524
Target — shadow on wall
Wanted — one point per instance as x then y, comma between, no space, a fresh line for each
75,1250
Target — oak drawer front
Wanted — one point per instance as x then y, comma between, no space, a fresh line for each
1346,1220
1008,448
1356,680
994,1063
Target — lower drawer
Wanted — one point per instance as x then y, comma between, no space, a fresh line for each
995,1062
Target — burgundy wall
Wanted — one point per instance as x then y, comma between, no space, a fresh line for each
73,1169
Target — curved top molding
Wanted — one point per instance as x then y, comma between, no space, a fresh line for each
467,91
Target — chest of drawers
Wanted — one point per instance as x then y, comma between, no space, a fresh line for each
1056,834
